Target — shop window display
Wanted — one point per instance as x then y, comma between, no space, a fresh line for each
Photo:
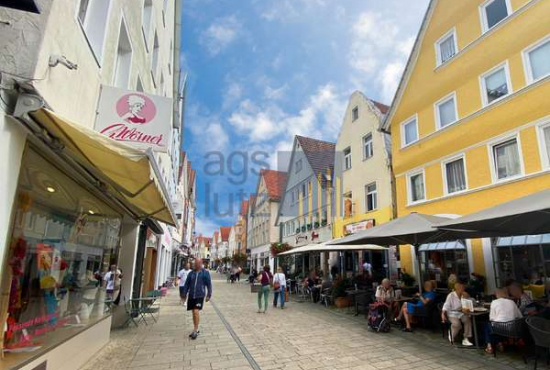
441,265
62,244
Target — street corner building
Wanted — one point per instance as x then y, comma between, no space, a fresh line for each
470,128
94,184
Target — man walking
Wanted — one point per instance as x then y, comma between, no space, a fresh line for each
196,285
182,276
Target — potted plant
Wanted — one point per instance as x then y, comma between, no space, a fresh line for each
316,224
309,226
324,223
277,248
297,230
339,294
304,228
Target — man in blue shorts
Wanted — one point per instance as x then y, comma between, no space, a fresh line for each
197,283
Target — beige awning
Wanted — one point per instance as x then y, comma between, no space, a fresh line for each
324,247
131,174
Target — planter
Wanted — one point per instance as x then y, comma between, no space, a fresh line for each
342,302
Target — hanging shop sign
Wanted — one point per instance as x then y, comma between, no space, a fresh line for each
137,119
358,226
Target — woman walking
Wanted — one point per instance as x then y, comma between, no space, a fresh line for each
265,278
279,287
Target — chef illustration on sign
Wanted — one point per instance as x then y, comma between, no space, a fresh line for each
136,103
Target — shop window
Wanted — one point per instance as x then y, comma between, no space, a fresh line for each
368,149
123,58
507,162
493,12
347,158
62,245
93,16
495,84
440,265
537,60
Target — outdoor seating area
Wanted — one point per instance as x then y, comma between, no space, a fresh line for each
145,309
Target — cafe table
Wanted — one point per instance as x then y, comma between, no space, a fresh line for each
353,293
478,312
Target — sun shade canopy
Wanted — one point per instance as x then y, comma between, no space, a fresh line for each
528,215
442,246
324,247
415,229
129,173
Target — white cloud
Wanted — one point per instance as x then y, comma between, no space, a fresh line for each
232,94
272,93
205,125
220,34
205,226
389,79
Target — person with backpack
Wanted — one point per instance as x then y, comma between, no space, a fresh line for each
197,283
266,279
279,287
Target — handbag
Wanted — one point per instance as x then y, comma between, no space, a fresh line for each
276,284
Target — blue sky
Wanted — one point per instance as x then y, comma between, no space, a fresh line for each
262,71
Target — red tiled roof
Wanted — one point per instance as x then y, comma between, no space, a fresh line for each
224,232
244,207
383,108
275,182
319,153
216,235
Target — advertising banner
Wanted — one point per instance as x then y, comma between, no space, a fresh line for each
134,118
358,226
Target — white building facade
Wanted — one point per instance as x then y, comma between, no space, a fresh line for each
71,197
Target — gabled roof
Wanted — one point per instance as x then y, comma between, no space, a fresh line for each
224,232
216,236
275,182
251,202
383,108
244,207
411,63
319,153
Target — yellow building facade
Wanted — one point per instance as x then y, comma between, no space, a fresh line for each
470,124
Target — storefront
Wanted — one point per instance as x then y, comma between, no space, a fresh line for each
523,258
439,261
63,241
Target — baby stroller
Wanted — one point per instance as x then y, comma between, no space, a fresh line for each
378,317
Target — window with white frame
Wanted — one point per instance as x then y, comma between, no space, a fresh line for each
347,158
455,175
298,165
537,60
146,20
123,58
545,144
445,111
493,12
417,190
409,132
506,159
93,15
446,47
355,114
371,196
368,150
495,84
155,58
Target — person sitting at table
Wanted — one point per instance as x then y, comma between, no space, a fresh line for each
518,295
409,308
503,309
452,309
386,294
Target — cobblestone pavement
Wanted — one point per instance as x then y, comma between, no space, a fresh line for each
300,337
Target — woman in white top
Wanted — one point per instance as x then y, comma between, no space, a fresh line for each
503,309
279,287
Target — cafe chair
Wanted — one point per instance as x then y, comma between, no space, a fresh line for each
326,297
445,325
540,331
514,330
132,313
